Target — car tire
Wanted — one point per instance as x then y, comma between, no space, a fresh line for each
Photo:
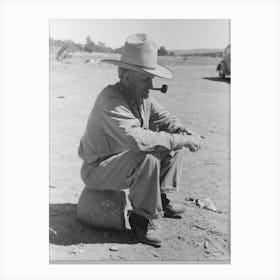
221,72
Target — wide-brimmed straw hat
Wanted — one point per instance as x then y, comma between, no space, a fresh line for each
140,54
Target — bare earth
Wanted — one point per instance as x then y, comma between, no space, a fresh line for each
202,102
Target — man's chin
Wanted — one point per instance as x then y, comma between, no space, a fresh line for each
145,95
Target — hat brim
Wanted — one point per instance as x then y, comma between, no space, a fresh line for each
159,71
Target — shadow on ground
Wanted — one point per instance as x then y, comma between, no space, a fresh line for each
66,229
217,79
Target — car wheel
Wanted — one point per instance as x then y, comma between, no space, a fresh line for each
221,72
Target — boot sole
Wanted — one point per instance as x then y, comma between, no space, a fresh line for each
133,230
172,214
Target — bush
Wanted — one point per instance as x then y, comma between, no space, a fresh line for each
90,46
60,53
162,51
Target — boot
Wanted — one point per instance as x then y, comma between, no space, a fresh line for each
145,230
171,209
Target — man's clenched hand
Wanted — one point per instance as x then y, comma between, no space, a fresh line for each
193,142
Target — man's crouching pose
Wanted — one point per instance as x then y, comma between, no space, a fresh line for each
132,142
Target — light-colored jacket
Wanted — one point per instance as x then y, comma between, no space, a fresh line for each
116,125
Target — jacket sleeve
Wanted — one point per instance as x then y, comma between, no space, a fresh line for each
162,120
117,121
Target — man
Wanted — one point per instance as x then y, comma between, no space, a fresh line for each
132,142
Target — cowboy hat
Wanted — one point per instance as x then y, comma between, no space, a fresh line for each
140,54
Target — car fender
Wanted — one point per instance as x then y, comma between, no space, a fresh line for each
222,62
223,65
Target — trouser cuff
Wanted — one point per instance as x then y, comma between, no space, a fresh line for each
168,189
147,215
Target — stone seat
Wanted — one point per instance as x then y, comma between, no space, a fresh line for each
104,209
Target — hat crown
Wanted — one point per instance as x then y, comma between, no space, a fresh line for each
139,50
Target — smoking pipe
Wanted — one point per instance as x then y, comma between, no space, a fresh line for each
163,89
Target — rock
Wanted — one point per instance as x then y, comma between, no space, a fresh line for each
206,245
104,209
156,255
206,204
114,248
198,226
209,205
199,203
72,251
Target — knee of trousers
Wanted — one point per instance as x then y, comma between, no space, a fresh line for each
150,159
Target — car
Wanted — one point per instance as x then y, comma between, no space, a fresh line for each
224,65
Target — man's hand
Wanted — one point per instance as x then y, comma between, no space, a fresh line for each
193,142
183,130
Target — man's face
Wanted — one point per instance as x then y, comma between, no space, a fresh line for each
140,85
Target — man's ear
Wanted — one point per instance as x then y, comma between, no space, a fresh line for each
127,78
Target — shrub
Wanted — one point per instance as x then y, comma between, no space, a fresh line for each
162,51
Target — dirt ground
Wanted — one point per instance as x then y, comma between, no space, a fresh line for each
202,102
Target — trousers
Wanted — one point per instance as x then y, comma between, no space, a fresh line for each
147,175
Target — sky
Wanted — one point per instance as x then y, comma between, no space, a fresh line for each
170,33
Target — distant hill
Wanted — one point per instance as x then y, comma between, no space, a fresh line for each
196,51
